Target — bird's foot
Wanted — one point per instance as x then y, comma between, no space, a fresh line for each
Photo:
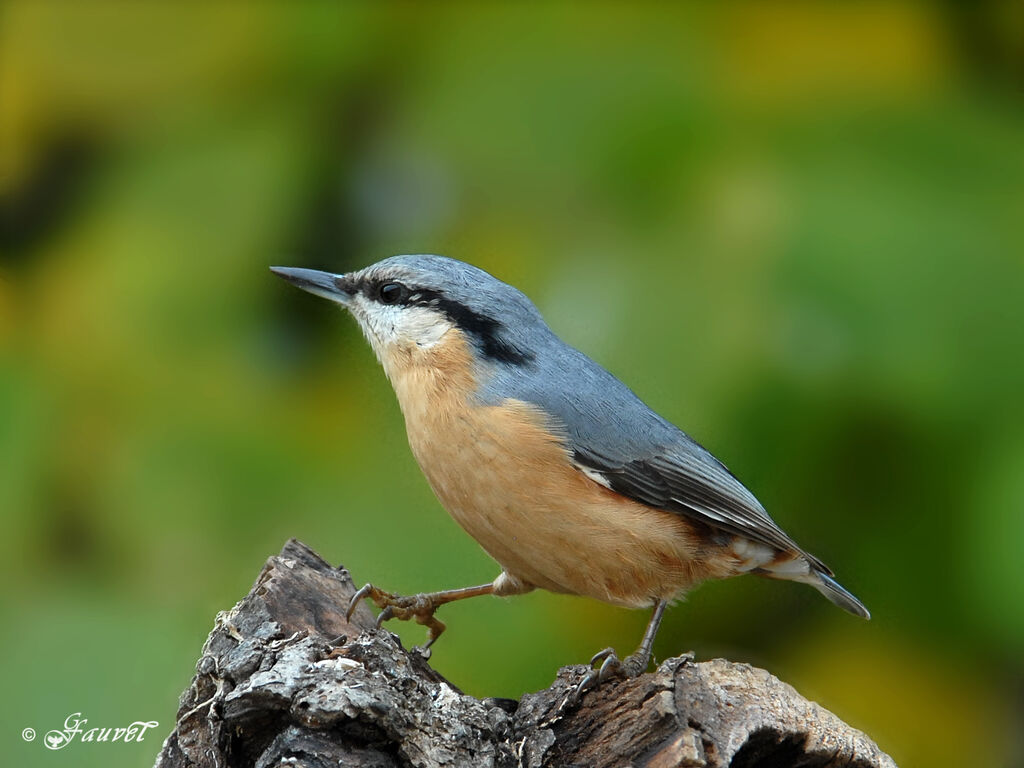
606,665
419,607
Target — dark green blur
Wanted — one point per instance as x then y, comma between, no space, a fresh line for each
796,230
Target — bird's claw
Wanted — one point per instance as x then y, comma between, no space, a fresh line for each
383,616
609,665
604,665
367,590
424,650
402,607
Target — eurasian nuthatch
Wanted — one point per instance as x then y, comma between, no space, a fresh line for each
562,474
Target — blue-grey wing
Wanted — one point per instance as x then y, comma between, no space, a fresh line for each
620,441
680,479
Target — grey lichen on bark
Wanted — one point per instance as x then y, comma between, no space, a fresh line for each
284,679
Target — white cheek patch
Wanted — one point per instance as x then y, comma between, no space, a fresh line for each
385,325
426,326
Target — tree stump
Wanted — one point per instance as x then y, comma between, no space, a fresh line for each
284,679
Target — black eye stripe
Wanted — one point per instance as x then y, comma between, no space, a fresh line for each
485,330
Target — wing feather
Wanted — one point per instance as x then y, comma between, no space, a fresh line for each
696,486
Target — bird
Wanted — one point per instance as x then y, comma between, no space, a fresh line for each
563,475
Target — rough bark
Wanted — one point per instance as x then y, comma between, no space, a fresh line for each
284,679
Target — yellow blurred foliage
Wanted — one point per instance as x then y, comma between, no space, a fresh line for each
924,708
801,51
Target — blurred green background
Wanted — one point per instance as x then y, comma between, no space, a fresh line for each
795,229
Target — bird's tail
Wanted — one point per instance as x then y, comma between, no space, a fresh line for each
796,565
834,591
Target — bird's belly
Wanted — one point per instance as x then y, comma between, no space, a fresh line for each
509,482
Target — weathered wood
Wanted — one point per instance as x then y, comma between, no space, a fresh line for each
284,679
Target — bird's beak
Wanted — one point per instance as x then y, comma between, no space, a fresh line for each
322,284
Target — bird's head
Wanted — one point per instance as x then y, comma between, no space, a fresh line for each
407,305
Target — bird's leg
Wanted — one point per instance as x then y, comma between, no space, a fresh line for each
420,607
632,666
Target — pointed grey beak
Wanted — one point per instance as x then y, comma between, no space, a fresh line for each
322,284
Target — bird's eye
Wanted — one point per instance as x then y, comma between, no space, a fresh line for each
391,293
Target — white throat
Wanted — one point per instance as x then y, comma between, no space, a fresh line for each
389,328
